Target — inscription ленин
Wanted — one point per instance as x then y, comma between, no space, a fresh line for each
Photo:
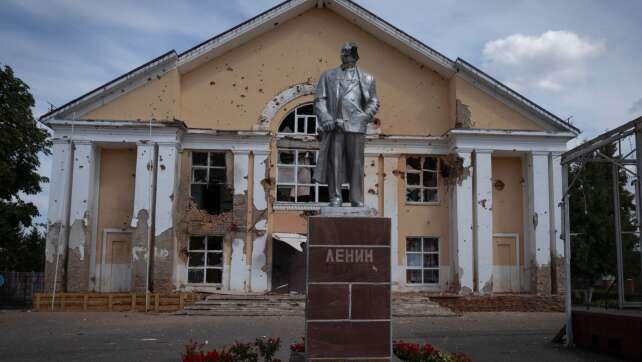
349,255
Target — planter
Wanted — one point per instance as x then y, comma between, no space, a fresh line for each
297,356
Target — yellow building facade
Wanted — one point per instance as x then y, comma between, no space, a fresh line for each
193,171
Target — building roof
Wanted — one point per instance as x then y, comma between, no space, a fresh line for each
284,11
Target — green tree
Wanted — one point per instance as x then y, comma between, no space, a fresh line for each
21,142
593,247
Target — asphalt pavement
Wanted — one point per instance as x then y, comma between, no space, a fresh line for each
73,336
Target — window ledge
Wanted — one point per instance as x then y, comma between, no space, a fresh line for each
416,203
316,206
294,206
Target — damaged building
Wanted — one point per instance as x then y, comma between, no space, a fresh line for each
193,172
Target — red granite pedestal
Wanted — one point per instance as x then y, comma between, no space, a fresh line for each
348,288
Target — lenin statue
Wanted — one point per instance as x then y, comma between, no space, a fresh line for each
345,102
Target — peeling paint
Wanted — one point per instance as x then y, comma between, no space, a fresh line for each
78,236
238,266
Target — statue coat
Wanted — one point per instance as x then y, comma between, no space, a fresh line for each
332,101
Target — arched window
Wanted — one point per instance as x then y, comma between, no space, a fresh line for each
300,121
296,160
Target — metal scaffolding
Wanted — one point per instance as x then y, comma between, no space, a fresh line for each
625,145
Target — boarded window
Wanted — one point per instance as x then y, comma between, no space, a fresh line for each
209,187
205,259
422,181
422,260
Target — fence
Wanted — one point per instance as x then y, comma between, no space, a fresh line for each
17,289
114,302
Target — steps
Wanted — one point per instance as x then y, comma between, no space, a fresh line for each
294,305
247,305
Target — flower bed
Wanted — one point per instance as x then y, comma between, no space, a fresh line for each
266,347
415,352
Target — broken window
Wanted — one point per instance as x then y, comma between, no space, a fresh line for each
209,188
300,121
422,260
205,259
422,179
294,175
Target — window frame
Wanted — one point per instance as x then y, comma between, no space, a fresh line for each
208,166
422,253
205,253
421,186
295,133
309,140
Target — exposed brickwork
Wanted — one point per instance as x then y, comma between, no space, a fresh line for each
543,280
78,270
560,273
163,262
190,220
78,258
501,303
53,234
540,279
139,245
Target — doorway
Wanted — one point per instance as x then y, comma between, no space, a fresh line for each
116,261
506,276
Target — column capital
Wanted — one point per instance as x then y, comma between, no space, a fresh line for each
144,143
82,142
483,150
61,141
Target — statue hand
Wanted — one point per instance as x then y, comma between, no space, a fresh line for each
328,126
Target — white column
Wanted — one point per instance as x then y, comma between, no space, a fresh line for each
59,188
143,187
557,243
259,281
142,213
463,226
555,166
484,220
82,200
370,197
539,226
390,209
164,235
238,272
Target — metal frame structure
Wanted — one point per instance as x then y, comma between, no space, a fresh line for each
590,152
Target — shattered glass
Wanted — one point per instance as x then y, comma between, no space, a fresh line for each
196,259
413,163
413,195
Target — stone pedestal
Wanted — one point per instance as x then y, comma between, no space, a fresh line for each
348,288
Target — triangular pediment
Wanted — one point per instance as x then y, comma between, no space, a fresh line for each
165,73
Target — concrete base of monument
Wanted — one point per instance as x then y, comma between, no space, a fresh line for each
347,211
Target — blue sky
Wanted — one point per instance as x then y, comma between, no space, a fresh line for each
576,58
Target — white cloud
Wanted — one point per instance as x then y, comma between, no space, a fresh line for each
636,107
553,60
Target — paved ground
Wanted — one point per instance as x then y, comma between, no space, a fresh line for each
67,336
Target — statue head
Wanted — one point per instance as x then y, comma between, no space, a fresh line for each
349,53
